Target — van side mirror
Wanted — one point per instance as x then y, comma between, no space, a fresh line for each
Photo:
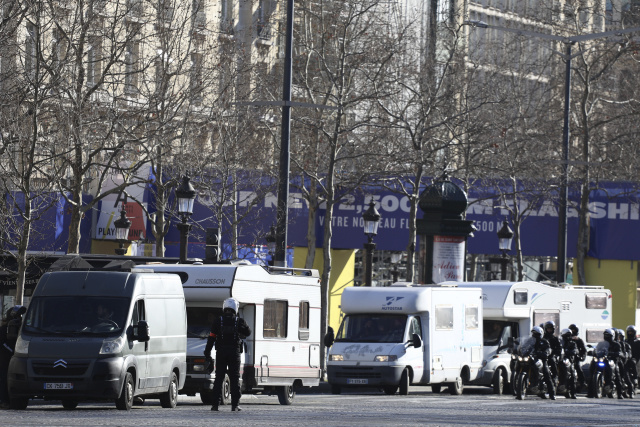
143,331
329,337
416,341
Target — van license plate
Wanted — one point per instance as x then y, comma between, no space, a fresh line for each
58,386
357,381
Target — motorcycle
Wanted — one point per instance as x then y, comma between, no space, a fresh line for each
528,369
598,386
569,376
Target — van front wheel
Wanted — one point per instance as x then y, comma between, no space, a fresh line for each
403,388
169,399
125,401
69,404
286,394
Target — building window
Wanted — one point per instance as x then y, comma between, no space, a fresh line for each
275,319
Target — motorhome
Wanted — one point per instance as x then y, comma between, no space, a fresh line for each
511,309
282,307
101,335
391,337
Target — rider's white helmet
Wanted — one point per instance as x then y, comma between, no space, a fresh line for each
232,304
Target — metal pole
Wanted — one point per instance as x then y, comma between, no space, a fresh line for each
564,186
503,266
368,274
184,228
283,185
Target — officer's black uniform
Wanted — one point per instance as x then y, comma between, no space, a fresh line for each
623,360
8,337
614,354
227,333
634,343
556,349
571,353
542,350
582,354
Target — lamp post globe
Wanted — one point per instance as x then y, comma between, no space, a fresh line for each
186,195
122,226
505,237
371,219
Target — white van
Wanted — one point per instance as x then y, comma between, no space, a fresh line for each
399,335
512,309
101,335
282,308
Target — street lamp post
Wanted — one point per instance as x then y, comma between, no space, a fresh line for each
395,259
505,236
122,231
566,132
371,219
185,194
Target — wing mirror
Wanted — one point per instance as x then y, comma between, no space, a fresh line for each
415,341
143,331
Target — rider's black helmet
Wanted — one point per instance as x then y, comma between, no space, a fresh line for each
574,329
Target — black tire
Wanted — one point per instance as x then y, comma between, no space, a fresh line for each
125,401
436,388
19,403
169,399
286,394
521,386
206,397
69,404
390,389
225,395
456,388
403,388
335,389
498,382
596,386
512,383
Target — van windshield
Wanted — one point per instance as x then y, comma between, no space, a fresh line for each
498,332
77,315
200,319
372,328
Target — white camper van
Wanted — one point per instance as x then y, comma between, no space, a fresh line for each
399,335
511,309
282,307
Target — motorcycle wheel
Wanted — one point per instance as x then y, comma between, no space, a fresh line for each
596,385
512,382
521,386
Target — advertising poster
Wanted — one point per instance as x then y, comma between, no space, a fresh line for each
448,258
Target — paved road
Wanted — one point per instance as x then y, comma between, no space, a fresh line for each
365,408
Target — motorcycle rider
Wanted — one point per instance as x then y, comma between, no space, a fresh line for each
556,347
567,373
227,333
582,354
634,343
542,351
614,355
625,356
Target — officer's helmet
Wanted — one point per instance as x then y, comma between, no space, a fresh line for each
536,332
566,333
231,304
550,325
609,333
574,329
631,331
620,334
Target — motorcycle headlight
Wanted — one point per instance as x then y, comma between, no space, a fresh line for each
112,346
514,357
389,358
520,358
526,358
336,358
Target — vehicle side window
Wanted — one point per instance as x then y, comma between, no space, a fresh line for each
444,317
137,315
275,319
543,316
415,327
303,320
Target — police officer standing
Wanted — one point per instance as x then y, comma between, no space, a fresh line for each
582,354
227,333
556,347
542,350
8,337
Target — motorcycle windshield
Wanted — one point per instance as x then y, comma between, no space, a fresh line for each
527,346
602,349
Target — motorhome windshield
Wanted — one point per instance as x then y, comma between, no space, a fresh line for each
372,328
76,315
200,319
498,332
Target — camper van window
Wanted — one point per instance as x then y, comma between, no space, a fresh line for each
77,315
275,319
471,317
303,321
542,316
520,297
498,332
444,317
598,300
594,335
200,319
372,328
